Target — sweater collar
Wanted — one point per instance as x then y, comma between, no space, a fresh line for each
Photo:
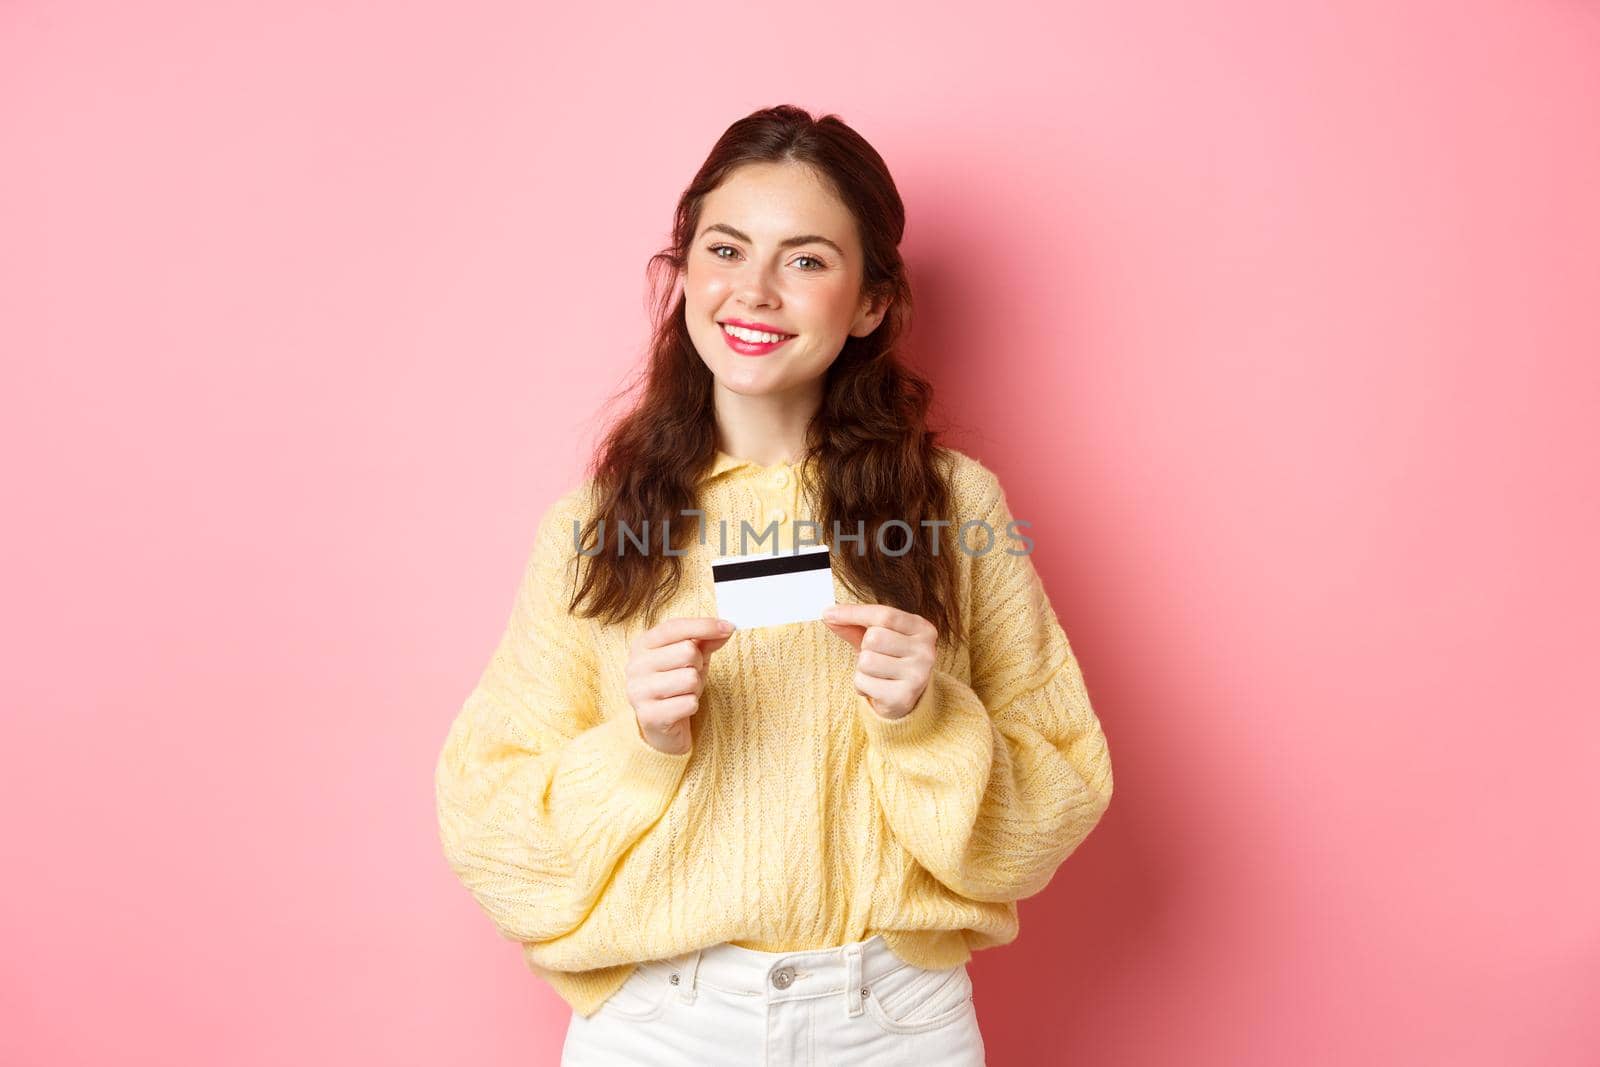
724,463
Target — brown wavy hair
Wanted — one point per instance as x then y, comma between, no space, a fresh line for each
876,456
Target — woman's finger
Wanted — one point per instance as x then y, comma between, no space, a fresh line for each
672,683
685,653
880,666
889,642
904,622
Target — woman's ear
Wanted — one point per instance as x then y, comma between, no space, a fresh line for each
871,315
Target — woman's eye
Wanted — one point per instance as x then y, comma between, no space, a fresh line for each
717,250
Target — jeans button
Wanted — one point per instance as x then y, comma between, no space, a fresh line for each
783,977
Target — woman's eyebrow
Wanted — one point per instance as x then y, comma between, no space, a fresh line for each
788,242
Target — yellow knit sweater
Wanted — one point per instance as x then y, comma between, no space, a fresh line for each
801,818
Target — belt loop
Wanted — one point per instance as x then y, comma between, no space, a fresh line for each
852,983
687,976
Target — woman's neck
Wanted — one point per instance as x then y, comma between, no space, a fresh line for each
765,429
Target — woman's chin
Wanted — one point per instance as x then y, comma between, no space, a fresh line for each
752,376
750,385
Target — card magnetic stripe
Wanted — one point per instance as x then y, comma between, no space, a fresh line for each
762,568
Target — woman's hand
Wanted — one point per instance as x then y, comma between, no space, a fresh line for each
666,674
896,657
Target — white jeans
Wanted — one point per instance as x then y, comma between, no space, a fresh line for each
854,1004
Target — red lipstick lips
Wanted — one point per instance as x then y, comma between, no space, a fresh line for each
748,348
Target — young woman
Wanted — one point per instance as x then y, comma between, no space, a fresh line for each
781,844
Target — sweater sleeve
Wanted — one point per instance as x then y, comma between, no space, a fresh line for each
538,795
991,785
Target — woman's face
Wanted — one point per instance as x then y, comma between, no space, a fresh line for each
741,267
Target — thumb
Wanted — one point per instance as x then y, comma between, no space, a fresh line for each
709,645
849,631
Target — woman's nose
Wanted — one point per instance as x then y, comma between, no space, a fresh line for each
755,289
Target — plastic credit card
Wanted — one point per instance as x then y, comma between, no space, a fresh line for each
771,589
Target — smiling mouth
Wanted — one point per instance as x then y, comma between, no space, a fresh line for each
753,337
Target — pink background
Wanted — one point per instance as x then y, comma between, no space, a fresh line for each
1278,322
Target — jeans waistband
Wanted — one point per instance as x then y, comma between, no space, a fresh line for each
787,975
